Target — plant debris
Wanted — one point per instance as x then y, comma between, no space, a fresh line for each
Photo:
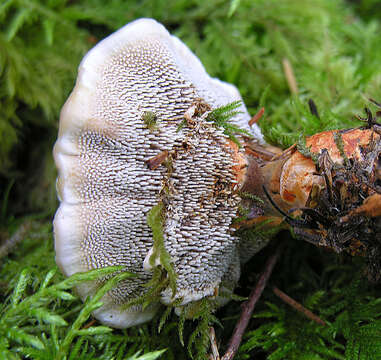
344,211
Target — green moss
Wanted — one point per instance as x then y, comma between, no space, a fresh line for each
202,313
337,137
221,119
264,231
37,40
150,120
306,151
163,273
250,196
181,126
156,221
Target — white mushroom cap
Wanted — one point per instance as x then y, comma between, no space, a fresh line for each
106,189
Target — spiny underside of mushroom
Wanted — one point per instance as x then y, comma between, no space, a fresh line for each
134,136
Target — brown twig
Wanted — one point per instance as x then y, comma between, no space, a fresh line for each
213,344
257,116
157,160
290,77
248,306
89,324
297,306
7,246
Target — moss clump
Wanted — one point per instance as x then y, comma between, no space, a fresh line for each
150,120
221,116
306,150
156,221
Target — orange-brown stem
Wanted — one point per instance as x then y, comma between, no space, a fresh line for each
328,191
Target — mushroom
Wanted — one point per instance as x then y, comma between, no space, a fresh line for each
147,181
121,153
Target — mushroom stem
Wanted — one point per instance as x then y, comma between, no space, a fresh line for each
327,191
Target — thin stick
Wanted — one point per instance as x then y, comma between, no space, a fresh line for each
10,243
257,116
248,307
212,336
89,324
290,77
297,306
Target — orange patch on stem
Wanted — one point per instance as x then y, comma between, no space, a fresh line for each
240,163
288,196
352,141
299,172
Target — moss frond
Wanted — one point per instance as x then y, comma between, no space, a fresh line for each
26,318
306,151
340,145
266,230
201,312
221,118
250,196
156,221
150,120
